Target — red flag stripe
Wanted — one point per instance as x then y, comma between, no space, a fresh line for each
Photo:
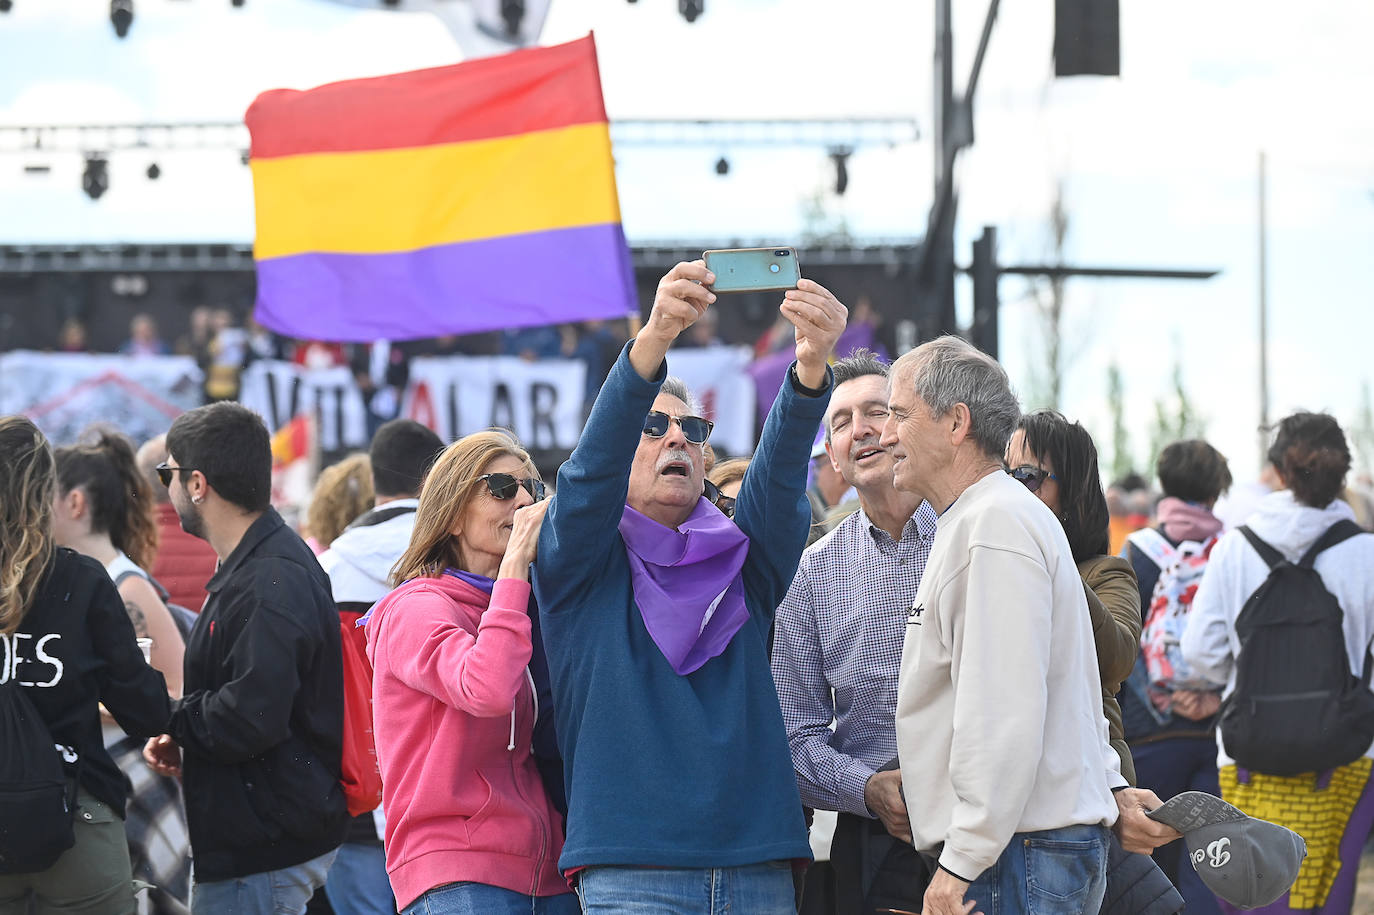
528,90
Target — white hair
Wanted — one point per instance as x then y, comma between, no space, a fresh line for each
949,370
674,386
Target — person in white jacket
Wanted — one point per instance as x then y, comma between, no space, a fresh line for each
1333,811
359,563
1000,733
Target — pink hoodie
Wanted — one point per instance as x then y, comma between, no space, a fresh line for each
453,712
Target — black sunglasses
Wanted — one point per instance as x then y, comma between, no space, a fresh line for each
721,501
695,429
503,486
1031,477
165,471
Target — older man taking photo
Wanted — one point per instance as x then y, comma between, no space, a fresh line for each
1003,746
655,610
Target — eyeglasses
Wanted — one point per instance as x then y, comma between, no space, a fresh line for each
165,471
503,486
1031,477
721,501
695,429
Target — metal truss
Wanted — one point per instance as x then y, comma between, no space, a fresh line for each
158,258
832,133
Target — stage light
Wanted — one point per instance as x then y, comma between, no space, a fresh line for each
121,16
691,9
95,180
722,166
840,156
512,14
154,172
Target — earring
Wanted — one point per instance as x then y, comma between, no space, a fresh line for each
197,499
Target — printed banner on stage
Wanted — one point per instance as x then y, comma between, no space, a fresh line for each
540,401
63,393
717,376
452,200
281,391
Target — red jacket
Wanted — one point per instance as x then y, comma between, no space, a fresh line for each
184,563
453,710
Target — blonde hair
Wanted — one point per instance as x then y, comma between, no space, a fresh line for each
342,493
448,489
727,472
27,485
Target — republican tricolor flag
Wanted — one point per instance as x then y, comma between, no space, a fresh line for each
454,200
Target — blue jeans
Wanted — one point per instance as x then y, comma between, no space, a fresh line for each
758,889
1168,767
279,892
481,899
358,884
1051,872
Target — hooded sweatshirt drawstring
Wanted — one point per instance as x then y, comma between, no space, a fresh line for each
534,694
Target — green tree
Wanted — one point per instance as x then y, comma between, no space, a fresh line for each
1362,431
1175,416
1123,463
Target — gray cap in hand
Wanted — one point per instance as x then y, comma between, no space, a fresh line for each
1248,862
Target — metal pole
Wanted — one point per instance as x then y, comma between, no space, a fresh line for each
939,307
1263,316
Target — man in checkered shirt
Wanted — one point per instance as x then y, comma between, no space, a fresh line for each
838,647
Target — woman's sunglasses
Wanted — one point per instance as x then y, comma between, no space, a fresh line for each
721,501
695,429
1031,477
504,486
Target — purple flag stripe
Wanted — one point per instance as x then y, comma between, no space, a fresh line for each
552,277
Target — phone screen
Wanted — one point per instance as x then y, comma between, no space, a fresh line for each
753,269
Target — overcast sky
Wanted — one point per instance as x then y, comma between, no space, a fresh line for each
1159,166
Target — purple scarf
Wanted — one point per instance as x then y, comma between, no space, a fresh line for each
480,582
1185,520
687,582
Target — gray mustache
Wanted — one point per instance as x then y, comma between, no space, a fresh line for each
677,455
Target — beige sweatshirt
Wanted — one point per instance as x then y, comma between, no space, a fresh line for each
999,709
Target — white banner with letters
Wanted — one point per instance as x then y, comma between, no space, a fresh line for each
64,393
542,402
279,391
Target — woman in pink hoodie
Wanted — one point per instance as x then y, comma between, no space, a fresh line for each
469,827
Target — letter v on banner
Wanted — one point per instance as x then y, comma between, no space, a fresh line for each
422,406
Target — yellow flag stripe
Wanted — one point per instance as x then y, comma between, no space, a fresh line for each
407,199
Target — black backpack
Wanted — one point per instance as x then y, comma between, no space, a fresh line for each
1296,707
36,798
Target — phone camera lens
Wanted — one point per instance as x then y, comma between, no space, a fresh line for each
781,253
773,268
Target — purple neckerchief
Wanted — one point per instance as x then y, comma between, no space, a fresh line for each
480,582
687,582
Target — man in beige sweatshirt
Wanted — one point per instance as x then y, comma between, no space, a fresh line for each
1006,766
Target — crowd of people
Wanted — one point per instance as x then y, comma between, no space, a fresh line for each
643,687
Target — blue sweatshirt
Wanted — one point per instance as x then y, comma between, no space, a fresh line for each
663,769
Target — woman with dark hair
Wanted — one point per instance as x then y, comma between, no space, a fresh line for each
469,824
68,645
1171,730
103,508
1333,810
1057,460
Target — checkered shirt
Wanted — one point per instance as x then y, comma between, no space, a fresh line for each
836,653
